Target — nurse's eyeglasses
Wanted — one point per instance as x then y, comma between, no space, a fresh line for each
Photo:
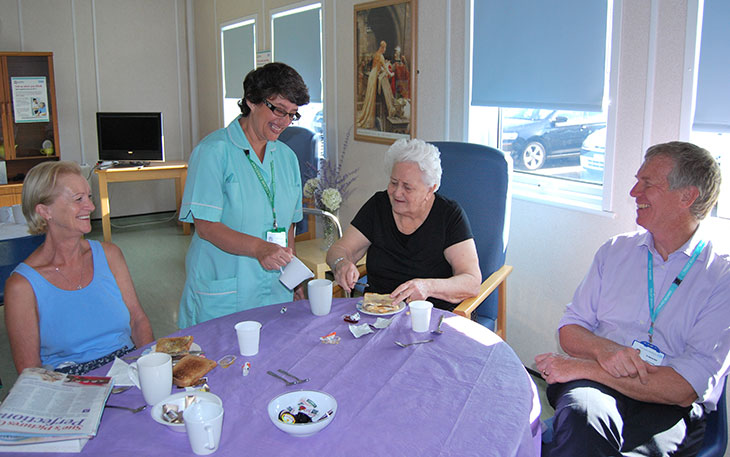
278,112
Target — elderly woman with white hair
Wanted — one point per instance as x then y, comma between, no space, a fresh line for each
419,243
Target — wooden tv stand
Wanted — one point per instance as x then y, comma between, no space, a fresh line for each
177,170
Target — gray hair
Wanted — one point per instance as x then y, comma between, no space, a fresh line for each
693,166
39,187
425,155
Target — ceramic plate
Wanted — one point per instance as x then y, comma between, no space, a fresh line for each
193,347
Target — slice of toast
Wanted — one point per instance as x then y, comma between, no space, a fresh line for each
190,369
174,345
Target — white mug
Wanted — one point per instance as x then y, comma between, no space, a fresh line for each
320,296
203,422
248,333
294,273
152,374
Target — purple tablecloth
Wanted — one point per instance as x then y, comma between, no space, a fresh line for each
465,394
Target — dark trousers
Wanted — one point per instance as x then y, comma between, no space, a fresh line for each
594,420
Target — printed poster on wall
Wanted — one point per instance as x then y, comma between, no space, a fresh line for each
30,99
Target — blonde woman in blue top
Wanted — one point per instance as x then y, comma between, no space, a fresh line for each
244,194
71,305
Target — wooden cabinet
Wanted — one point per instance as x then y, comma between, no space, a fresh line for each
28,113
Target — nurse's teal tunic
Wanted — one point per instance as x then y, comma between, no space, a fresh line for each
222,187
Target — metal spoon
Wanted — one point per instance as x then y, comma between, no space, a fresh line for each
120,389
133,410
405,345
438,330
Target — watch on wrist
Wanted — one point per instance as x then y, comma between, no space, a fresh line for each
334,264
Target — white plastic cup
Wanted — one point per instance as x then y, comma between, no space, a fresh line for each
420,315
294,273
248,333
320,296
152,374
203,422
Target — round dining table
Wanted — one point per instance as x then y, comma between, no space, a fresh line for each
465,393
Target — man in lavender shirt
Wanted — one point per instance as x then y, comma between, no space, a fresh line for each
647,334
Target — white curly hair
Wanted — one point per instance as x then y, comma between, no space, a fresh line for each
426,155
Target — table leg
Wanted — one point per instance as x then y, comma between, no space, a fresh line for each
105,216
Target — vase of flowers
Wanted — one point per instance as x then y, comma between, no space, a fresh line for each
327,187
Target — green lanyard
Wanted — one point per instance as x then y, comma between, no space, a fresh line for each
270,193
654,311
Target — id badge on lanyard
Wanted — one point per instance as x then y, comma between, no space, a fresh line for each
277,236
648,352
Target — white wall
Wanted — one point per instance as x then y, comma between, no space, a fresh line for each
111,55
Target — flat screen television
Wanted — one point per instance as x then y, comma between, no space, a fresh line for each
130,136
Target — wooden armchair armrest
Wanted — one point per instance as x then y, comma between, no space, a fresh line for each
496,279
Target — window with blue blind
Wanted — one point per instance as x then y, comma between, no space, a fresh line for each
238,46
711,125
296,40
538,91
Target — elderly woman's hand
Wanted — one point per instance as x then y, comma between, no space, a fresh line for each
415,289
346,274
271,256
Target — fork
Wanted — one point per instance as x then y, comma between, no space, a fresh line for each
288,383
133,410
298,381
405,345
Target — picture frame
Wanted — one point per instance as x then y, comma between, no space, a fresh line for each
385,70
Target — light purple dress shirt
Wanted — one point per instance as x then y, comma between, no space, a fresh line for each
693,329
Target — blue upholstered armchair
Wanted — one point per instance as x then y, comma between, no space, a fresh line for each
12,252
478,178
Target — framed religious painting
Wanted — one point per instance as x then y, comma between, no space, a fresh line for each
385,70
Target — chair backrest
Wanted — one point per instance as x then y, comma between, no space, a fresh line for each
12,252
716,430
478,178
304,144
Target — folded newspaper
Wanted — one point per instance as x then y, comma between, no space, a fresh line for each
47,411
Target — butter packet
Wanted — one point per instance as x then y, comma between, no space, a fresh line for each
360,330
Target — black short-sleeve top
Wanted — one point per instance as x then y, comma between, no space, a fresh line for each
394,258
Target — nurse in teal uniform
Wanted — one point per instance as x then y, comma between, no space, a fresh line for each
244,194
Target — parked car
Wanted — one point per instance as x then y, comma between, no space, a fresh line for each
593,156
532,136
593,152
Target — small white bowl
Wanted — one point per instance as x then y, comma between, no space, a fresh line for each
324,401
179,400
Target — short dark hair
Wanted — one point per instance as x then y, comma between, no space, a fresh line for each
693,166
273,79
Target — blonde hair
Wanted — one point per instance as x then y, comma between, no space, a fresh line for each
39,187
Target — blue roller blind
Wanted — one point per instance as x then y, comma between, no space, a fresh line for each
539,53
297,43
238,58
712,108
